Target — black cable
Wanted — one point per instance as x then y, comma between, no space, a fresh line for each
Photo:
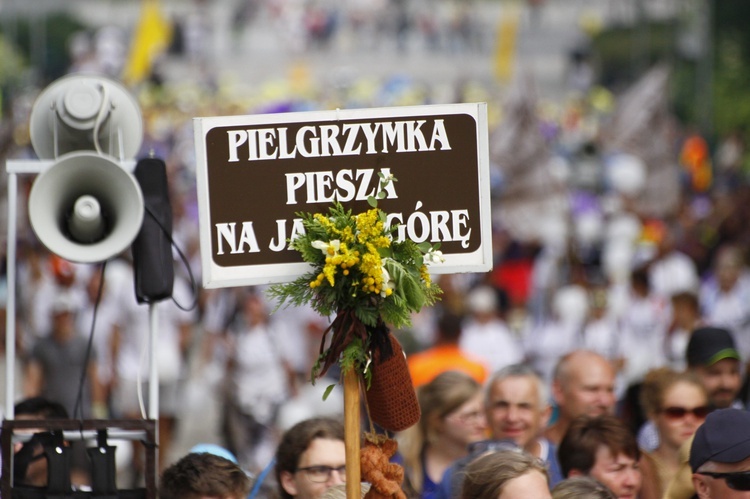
193,284
78,405
78,409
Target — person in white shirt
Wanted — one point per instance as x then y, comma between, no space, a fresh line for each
259,380
485,335
174,331
725,296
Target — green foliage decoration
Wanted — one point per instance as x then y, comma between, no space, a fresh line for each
360,272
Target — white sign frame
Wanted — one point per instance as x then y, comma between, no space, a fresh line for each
216,276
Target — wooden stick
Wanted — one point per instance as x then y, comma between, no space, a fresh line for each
352,433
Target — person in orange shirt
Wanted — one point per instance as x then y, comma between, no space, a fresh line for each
445,355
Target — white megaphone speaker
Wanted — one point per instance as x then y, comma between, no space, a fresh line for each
86,113
86,207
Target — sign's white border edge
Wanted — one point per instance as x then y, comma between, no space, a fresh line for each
215,276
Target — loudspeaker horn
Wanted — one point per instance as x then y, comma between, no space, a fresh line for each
86,208
86,113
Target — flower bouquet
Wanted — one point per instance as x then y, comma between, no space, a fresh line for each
370,281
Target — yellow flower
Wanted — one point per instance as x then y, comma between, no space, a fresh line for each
370,229
425,275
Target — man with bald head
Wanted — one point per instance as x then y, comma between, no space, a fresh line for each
583,384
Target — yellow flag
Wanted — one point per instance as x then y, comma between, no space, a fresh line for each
505,47
151,38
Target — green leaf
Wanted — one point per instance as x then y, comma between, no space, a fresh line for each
383,217
328,391
424,247
372,201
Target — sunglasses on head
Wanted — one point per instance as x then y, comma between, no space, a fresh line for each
680,412
738,480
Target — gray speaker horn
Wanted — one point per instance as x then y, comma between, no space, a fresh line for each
86,208
86,113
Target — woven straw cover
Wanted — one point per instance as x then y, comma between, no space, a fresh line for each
391,398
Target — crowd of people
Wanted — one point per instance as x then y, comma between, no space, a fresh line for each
513,438
480,387
659,350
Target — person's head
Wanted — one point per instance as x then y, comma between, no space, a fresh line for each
720,455
40,408
639,281
604,448
452,418
482,303
584,384
581,487
517,404
63,271
685,309
505,474
677,404
712,355
254,307
339,491
30,466
202,475
452,409
310,458
728,264
449,328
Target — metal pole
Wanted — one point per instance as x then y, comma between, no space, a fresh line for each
10,309
13,168
153,379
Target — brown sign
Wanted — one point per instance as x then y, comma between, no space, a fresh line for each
256,173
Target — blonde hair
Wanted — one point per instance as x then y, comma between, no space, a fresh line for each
486,476
658,382
339,491
581,487
438,398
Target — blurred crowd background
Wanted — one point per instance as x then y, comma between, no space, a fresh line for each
618,135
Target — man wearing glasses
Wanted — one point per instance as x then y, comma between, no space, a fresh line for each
311,458
720,455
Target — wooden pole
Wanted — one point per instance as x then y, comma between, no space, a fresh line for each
352,433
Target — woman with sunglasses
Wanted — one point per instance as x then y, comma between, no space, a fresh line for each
452,418
677,404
